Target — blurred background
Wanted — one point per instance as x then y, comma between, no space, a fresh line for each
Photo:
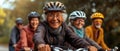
11,9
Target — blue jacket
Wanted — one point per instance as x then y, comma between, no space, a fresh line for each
14,36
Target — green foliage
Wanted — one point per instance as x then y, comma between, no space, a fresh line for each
4,40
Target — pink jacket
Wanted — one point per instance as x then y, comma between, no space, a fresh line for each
26,38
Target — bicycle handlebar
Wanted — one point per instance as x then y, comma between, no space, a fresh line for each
56,48
114,49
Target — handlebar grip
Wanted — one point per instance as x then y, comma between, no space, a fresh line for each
24,49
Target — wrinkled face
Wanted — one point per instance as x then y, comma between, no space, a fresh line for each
55,19
79,23
19,25
34,22
97,23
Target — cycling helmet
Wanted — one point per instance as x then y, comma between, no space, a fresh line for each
19,20
33,15
97,15
77,14
54,6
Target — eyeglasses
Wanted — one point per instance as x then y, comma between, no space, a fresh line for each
54,15
19,24
79,20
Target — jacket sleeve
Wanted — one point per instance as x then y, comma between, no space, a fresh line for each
75,40
104,45
13,35
93,43
87,32
23,38
39,35
102,40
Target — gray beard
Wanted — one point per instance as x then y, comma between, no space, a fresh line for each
97,26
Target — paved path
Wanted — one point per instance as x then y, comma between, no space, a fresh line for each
3,48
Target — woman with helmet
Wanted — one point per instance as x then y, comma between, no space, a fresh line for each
15,34
26,35
95,31
77,21
53,31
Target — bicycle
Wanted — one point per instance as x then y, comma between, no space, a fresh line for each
63,48
114,49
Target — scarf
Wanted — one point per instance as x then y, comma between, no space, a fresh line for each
79,32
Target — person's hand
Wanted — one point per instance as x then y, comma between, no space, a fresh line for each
101,49
92,48
14,45
44,47
108,49
26,48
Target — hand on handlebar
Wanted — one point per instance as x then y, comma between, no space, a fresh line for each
14,45
92,48
44,47
27,49
113,49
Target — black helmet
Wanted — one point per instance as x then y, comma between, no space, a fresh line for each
19,20
54,6
33,15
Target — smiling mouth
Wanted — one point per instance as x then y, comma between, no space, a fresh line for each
54,23
79,24
34,24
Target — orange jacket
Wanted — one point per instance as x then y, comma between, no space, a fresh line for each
26,38
90,32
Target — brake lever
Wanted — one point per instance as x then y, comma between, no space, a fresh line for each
82,49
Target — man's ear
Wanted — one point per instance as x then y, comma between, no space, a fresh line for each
43,17
70,22
64,16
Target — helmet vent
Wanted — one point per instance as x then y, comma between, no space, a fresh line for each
77,13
